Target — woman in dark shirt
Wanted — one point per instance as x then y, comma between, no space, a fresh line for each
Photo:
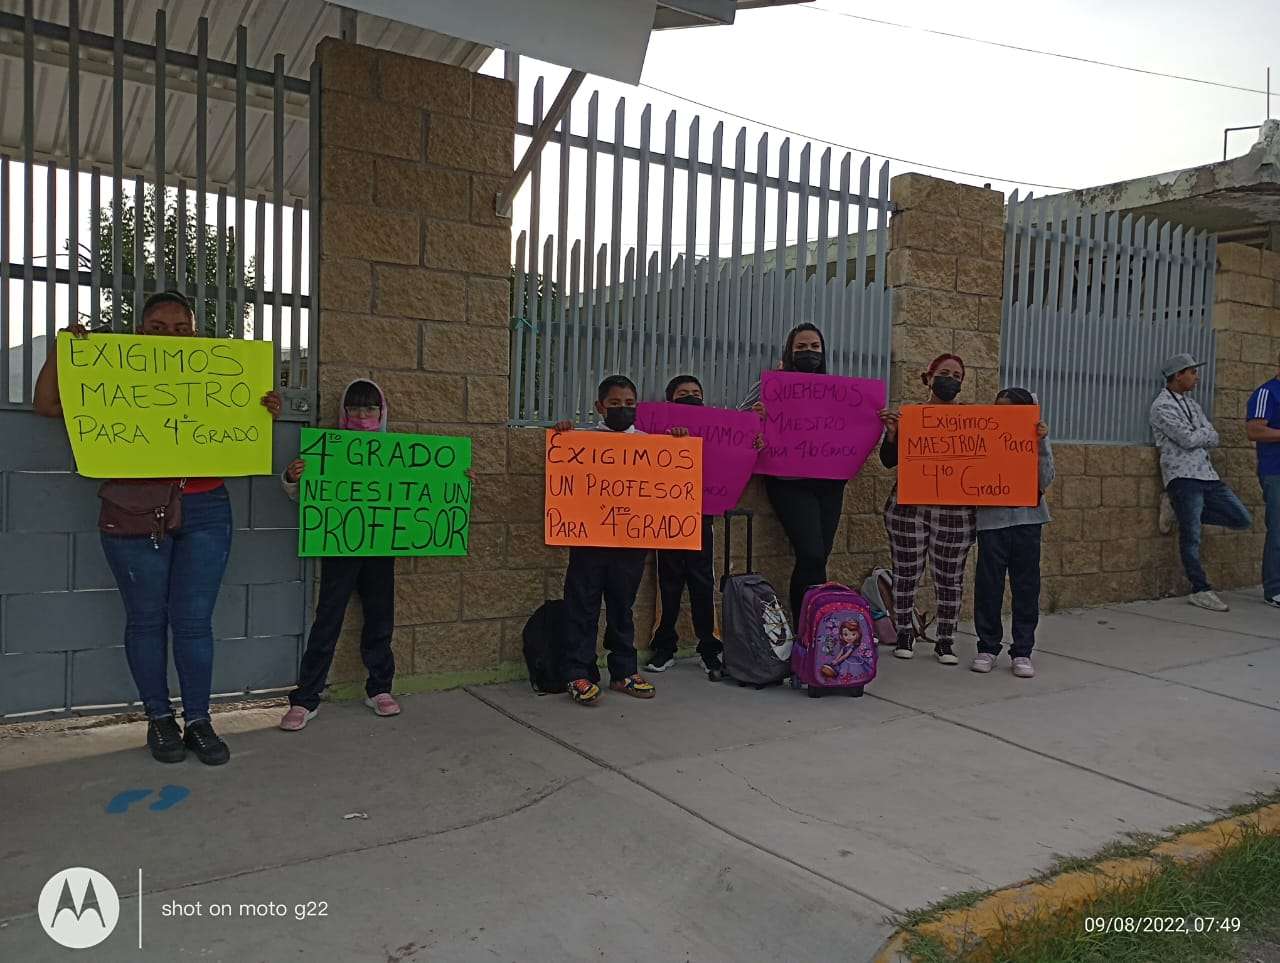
808,508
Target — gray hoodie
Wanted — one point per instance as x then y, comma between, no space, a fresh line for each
291,488
1001,516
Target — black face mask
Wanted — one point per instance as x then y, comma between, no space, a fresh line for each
806,361
687,400
619,419
944,388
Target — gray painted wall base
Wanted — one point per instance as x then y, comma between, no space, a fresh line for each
61,620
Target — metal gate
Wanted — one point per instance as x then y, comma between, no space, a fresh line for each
1093,302
704,269
127,168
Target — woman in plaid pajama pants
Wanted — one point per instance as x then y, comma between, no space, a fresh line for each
944,533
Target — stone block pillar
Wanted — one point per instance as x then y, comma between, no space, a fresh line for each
1246,318
946,269
415,293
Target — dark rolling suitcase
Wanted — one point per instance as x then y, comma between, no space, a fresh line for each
757,635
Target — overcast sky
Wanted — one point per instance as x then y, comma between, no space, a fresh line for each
1012,118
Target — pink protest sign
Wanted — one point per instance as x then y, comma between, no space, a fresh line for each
818,426
728,446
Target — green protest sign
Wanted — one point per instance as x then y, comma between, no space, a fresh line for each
376,493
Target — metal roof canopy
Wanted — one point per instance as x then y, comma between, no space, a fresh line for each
1237,196
608,38
290,27
605,38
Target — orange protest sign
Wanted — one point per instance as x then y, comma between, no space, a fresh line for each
616,490
968,455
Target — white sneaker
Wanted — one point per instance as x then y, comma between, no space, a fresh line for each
660,666
1023,668
1167,518
1208,600
296,719
982,662
1273,601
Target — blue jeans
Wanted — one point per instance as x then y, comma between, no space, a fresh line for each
1196,503
1271,551
174,586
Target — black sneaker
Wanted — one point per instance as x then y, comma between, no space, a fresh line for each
164,739
660,662
204,742
904,649
714,667
943,652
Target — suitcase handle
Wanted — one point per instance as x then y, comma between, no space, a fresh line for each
728,540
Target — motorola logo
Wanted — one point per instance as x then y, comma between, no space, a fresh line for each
79,908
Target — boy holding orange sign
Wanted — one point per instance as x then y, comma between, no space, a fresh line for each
609,574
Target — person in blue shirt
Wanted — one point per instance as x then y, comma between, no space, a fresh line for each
1263,427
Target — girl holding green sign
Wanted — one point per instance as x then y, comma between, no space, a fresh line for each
364,408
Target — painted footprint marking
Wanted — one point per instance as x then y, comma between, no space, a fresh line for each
170,796
167,798
122,801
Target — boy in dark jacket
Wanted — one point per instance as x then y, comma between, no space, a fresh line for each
609,574
677,568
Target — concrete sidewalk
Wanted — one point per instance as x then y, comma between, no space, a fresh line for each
712,824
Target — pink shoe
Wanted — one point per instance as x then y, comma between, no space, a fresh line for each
297,718
382,704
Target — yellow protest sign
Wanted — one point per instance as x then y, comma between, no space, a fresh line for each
145,406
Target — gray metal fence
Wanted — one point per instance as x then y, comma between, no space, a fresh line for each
106,151
725,260
1093,302
126,168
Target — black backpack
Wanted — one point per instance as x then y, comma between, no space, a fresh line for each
543,641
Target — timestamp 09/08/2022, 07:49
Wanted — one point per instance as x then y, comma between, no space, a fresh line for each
1190,925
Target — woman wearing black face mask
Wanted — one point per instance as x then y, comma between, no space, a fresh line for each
944,533
808,508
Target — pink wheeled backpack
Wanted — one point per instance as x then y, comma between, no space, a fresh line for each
835,648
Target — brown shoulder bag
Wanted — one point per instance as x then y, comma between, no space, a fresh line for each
142,507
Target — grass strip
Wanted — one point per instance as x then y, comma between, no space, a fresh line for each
1224,909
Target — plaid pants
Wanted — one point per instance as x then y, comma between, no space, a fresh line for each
945,533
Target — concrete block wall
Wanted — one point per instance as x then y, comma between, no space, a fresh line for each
1104,544
415,293
946,269
1246,316
415,151
61,619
